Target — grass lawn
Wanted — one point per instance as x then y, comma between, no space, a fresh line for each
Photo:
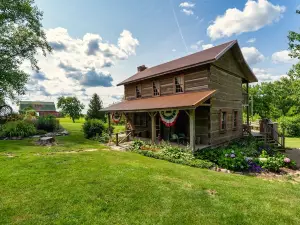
292,142
110,187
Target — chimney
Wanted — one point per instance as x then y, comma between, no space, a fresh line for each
141,68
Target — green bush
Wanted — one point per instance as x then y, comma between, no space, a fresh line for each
192,162
233,160
47,123
93,128
18,128
274,163
175,152
291,125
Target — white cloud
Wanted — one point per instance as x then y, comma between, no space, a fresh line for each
255,15
187,5
79,67
188,12
264,75
283,57
207,46
252,55
200,46
173,50
251,40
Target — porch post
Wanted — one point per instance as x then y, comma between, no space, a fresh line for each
109,125
153,126
192,129
247,107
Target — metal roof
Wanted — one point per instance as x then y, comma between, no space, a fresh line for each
184,100
38,105
200,58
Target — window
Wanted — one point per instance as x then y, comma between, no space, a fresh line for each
140,119
138,93
179,81
235,119
223,120
156,88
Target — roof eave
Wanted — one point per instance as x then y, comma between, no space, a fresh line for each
168,72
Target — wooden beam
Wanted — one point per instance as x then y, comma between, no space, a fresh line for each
153,126
109,125
247,107
192,129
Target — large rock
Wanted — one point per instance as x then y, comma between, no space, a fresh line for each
46,141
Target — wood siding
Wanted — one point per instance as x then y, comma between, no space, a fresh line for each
194,80
202,124
228,98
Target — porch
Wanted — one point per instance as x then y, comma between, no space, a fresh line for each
178,119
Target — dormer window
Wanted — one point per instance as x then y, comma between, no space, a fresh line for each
179,84
138,93
156,88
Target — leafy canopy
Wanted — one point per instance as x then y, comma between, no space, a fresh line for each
95,106
22,37
70,106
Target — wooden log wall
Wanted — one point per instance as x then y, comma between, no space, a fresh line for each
202,124
226,77
194,80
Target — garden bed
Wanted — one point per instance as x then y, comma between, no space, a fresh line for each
244,156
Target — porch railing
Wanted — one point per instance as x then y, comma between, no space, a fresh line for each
271,133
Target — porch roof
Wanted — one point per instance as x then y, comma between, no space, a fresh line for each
185,100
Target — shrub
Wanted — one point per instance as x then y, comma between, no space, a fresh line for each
233,160
291,125
192,162
274,163
93,128
47,123
175,152
137,144
17,129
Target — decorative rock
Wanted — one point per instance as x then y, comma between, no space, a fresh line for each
224,170
65,132
46,141
36,136
50,135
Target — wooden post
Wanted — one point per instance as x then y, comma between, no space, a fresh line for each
117,139
192,129
153,126
126,127
247,90
265,131
109,125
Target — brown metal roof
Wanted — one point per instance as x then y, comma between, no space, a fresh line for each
200,58
185,100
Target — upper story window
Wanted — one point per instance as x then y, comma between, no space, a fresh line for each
179,84
235,119
138,91
156,88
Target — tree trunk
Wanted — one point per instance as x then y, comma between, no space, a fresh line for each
73,120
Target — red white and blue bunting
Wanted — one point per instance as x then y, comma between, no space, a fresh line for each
169,117
116,117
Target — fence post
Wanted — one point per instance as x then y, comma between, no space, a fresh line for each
117,139
265,131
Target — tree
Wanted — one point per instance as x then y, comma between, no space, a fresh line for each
70,106
22,36
94,108
294,42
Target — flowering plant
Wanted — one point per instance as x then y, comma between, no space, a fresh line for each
233,159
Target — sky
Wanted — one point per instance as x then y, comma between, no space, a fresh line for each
99,43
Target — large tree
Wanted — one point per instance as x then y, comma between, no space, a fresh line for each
22,36
70,106
94,108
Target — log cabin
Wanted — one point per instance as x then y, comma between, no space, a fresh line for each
197,99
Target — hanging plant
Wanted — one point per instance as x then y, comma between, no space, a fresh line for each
116,117
169,117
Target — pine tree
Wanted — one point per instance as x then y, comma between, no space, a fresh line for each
94,108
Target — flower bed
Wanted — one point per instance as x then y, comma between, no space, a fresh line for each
246,155
170,153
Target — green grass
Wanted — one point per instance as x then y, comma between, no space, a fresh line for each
292,142
110,187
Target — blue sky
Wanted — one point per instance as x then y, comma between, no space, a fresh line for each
117,36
